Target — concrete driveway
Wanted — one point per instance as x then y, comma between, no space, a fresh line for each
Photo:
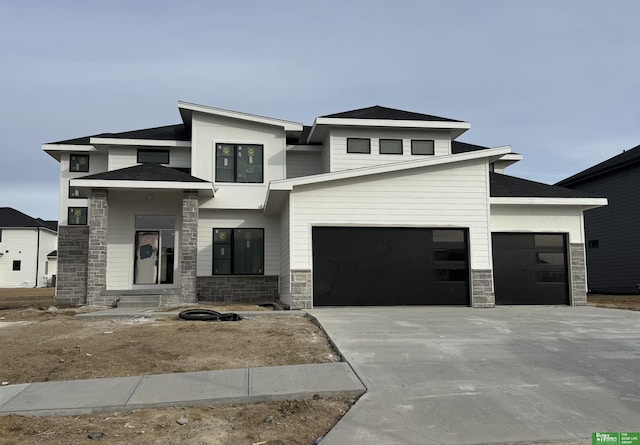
447,375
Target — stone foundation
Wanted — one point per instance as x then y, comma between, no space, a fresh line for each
73,251
301,289
482,294
237,288
578,274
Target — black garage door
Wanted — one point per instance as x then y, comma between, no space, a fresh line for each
389,266
530,268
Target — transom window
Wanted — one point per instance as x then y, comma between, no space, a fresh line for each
358,145
78,163
239,163
391,146
77,216
146,156
238,251
422,147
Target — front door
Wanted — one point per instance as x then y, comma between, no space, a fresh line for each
146,261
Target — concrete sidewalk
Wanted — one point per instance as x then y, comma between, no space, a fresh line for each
246,385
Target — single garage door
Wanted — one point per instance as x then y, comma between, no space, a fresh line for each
530,268
389,266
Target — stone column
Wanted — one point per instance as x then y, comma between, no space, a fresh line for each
71,279
189,246
301,289
578,275
482,294
97,263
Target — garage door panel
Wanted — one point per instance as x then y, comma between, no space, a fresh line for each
530,268
388,266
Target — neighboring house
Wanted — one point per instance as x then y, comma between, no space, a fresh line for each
375,206
613,232
24,245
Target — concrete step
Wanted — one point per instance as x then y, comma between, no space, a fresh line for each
139,301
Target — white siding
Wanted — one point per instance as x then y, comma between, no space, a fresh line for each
207,131
22,244
303,163
440,196
127,156
251,219
528,218
123,208
97,164
285,264
341,160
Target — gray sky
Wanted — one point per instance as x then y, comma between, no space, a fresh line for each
557,80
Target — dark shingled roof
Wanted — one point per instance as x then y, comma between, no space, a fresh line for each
378,112
294,139
463,147
624,159
505,186
145,172
176,132
13,218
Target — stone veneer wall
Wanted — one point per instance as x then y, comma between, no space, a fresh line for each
578,275
238,288
301,289
71,280
482,294
188,248
97,264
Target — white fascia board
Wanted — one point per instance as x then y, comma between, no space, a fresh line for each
287,125
56,150
587,203
142,185
140,142
288,184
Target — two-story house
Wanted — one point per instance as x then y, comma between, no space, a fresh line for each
375,206
27,250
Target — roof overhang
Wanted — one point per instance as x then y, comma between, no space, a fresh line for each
56,150
585,203
140,142
204,188
321,125
186,111
278,190
510,159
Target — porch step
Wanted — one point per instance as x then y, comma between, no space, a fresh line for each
139,301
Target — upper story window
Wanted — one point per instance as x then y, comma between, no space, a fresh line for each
76,192
153,156
422,147
78,163
239,163
358,145
77,216
390,146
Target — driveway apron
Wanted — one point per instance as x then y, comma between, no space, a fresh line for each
447,375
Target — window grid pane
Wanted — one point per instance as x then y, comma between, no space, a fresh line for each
153,156
238,251
77,216
79,163
358,145
422,147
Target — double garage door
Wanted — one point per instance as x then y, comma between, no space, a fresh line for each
389,266
417,266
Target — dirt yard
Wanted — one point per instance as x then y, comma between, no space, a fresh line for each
629,302
40,343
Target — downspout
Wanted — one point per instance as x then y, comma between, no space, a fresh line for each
37,256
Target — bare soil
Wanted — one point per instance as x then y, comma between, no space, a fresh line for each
628,302
26,297
44,343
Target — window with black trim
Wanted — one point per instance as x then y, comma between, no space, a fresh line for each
594,244
238,251
422,147
17,264
146,156
77,192
390,146
78,163
239,163
358,145
77,216
449,255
